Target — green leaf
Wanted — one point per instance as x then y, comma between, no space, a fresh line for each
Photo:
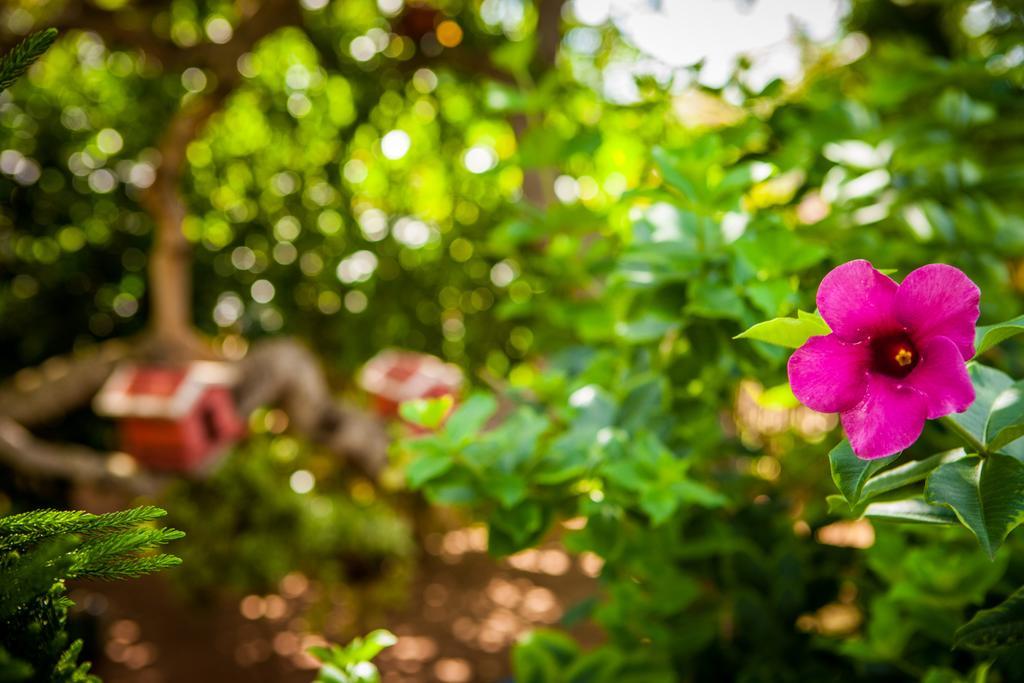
453,493
428,413
673,178
510,531
322,653
514,55
647,328
662,500
508,489
850,473
908,473
375,642
329,673
626,473
996,629
709,300
659,502
470,417
987,495
1006,421
648,266
777,252
688,491
541,656
428,465
600,666
987,336
943,674
789,332
837,505
990,390
740,177
913,509
815,317
775,297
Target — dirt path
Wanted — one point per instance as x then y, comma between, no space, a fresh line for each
464,611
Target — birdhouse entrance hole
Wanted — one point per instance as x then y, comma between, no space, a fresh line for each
210,427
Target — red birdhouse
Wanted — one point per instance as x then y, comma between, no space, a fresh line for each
394,376
172,417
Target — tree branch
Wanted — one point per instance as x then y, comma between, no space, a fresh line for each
37,396
27,454
284,373
280,372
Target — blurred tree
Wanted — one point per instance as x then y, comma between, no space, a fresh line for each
196,62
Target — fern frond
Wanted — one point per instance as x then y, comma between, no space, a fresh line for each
29,576
117,555
39,550
24,529
132,568
18,60
69,669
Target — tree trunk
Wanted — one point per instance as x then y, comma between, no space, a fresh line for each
170,261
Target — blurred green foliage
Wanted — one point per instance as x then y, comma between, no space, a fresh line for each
591,260
334,532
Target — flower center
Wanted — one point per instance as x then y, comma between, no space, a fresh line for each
894,355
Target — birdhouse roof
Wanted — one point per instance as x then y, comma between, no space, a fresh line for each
159,391
403,375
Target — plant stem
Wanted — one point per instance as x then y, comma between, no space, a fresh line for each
965,436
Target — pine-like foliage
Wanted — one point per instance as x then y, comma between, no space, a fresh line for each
17,61
39,550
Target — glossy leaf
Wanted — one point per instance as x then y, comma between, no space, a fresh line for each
428,413
988,336
470,417
987,495
914,510
789,332
996,629
995,409
851,473
542,655
374,643
431,460
1006,421
908,473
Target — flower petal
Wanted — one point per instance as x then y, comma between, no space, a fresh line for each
857,301
942,377
888,420
939,300
829,375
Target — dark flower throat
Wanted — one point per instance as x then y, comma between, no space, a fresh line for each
894,354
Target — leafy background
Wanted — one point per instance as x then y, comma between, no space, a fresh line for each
588,263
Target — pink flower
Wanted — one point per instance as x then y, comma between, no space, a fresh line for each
896,355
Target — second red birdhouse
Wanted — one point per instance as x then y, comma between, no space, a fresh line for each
172,417
394,376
